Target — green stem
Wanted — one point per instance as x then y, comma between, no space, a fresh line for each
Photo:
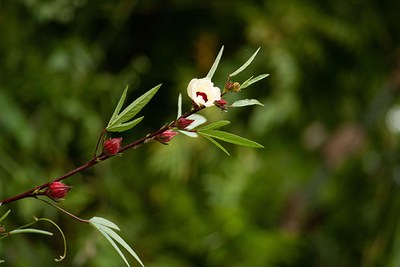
63,210
98,142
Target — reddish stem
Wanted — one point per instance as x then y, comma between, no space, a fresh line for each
36,190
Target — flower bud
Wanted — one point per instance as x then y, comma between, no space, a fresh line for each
228,86
57,191
166,136
236,87
112,146
182,123
232,87
221,103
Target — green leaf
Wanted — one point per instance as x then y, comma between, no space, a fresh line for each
100,229
122,242
29,230
119,106
134,108
104,227
5,215
246,102
215,143
252,80
245,65
105,222
137,105
210,74
231,138
125,126
214,125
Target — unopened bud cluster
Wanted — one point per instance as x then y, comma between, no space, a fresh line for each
232,87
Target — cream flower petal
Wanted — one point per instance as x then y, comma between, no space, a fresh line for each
203,92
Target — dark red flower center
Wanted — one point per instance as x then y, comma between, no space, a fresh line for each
203,95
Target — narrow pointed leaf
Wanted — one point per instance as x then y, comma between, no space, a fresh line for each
216,144
29,231
252,80
124,126
245,83
122,242
210,74
246,102
5,215
106,228
245,65
99,227
105,222
130,111
179,106
214,125
119,106
231,138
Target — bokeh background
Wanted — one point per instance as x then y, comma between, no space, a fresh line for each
323,192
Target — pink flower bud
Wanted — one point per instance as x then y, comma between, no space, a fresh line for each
57,191
166,136
221,103
112,146
182,123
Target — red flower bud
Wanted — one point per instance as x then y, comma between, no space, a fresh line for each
221,103
166,136
112,146
182,123
229,86
232,87
57,191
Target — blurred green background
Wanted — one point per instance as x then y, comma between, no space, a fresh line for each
324,191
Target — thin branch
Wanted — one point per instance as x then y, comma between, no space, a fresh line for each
63,210
97,159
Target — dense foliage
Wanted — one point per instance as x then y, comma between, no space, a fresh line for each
323,192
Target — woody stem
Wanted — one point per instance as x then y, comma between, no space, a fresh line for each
97,159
